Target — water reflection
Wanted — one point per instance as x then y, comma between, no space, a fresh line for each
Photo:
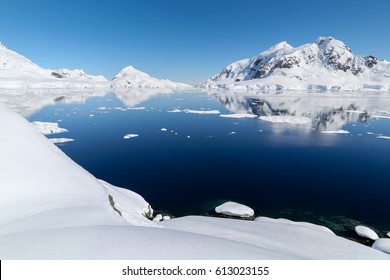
325,111
28,102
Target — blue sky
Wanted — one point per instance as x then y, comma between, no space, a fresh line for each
182,40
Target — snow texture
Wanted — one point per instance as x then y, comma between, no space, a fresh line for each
199,112
325,65
382,244
234,209
286,119
238,116
366,232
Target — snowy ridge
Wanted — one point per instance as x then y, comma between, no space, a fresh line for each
130,77
327,64
51,208
18,72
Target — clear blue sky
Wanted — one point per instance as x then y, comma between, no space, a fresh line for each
182,40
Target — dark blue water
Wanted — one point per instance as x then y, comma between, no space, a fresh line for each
280,170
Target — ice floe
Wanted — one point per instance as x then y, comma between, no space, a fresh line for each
382,244
383,137
164,129
238,116
47,128
60,140
286,119
380,117
340,131
199,112
366,232
234,209
136,108
128,136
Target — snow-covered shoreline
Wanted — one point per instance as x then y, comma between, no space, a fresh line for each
51,208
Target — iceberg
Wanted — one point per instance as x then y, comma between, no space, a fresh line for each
47,128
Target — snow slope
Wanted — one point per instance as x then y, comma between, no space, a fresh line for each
18,72
51,208
130,77
326,64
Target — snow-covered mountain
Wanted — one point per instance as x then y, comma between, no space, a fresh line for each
327,64
18,72
130,77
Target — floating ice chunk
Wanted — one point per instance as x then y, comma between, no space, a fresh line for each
175,111
233,132
136,108
60,140
383,137
382,244
128,136
381,117
366,232
370,133
188,136
91,115
355,111
238,116
102,108
158,218
166,218
164,129
234,209
286,119
335,131
47,128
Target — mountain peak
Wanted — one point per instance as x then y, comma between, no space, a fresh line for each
327,64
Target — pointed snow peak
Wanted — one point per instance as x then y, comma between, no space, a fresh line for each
279,46
331,43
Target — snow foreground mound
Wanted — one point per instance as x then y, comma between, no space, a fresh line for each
325,65
51,208
234,209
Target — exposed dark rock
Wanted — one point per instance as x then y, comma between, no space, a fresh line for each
57,75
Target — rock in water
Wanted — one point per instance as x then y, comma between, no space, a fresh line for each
366,232
235,209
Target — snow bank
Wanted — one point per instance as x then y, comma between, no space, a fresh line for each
382,244
277,239
286,119
60,140
47,128
234,209
238,116
366,232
